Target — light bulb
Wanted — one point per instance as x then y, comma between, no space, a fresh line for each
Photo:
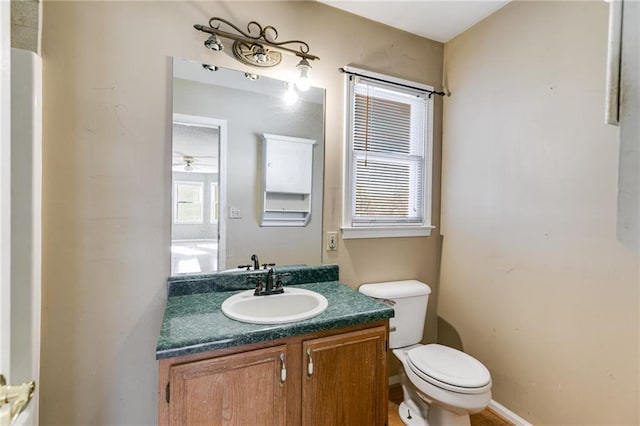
304,82
213,43
260,56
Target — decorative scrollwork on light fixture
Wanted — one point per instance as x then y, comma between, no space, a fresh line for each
258,45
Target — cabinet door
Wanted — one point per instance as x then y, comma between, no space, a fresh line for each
241,389
345,380
288,165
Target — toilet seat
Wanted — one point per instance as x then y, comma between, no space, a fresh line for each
449,369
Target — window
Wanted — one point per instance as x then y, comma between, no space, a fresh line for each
388,162
188,203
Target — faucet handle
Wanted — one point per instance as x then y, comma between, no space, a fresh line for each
247,267
270,265
279,279
258,281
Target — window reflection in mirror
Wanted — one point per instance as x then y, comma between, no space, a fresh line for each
219,119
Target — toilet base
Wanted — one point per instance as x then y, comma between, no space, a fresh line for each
409,416
436,417
440,417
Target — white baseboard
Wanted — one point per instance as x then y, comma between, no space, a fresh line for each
507,414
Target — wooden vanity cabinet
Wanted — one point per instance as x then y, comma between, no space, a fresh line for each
345,381
336,378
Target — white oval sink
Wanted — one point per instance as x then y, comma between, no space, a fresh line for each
295,304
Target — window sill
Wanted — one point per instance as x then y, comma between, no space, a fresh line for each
349,232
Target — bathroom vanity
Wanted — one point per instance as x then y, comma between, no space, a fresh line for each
329,369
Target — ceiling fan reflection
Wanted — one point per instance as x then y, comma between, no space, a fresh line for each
191,163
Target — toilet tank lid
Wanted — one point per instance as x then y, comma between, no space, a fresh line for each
395,289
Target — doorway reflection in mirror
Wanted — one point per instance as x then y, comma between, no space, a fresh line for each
195,181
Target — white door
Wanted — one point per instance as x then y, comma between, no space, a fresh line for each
5,200
5,152
20,227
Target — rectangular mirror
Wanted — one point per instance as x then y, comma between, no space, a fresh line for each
222,172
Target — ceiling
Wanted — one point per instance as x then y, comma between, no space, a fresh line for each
439,20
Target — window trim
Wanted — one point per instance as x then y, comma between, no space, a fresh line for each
422,229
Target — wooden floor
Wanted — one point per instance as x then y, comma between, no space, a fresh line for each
485,418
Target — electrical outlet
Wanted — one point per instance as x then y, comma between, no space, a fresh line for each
332,241
234,213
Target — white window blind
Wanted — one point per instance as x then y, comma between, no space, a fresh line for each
388,139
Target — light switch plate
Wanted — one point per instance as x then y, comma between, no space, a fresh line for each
234,213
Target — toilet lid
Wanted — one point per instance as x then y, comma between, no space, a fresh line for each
448,366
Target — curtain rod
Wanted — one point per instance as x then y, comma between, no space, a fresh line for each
430,92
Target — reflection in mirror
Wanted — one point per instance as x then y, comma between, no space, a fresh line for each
197,143
222,169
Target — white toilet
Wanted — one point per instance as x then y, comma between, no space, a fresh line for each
440,385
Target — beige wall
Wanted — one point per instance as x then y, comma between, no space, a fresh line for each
533,278
107,174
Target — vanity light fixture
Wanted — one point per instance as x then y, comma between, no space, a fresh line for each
258,46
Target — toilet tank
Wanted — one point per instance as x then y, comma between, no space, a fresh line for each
409,301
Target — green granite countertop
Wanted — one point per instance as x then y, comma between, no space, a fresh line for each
195,323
